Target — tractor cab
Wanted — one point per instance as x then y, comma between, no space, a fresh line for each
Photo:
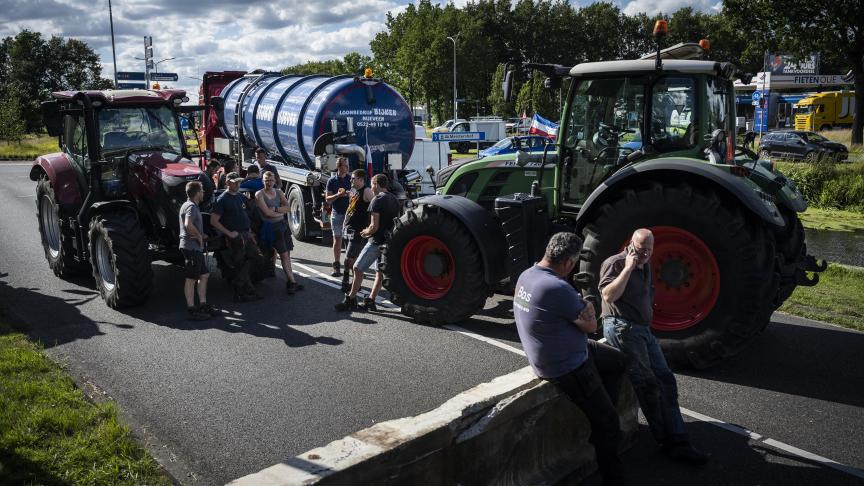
620,112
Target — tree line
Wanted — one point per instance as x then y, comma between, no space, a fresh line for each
31,67
415,55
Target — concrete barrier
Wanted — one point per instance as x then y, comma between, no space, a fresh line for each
515,429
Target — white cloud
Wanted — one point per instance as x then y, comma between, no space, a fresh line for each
651,7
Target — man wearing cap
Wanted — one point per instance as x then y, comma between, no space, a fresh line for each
230,218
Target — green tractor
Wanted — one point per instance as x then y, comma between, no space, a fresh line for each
642,143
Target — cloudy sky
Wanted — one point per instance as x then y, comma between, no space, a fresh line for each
215,35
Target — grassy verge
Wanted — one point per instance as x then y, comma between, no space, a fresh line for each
837,299
31,146
51,434
832,219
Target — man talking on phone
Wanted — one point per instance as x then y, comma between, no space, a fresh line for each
553,322
628,294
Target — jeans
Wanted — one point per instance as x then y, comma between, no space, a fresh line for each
652,379
368,257
593,387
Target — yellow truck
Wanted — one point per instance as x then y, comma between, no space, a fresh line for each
824,111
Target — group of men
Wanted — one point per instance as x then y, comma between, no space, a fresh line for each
554,321
364,217
361,215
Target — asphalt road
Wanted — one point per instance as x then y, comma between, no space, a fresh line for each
218,400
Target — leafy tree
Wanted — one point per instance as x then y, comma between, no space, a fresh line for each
31,68
352,63
11,123
834,28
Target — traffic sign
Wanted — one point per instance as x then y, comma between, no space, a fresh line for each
163,77
130,85
458,136
130,76
757,95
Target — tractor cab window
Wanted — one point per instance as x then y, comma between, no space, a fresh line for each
602,127
75,141
720,105
673,122
138,128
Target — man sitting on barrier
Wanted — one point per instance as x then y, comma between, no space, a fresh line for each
553,322
230,218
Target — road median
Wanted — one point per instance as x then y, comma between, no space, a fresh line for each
515,429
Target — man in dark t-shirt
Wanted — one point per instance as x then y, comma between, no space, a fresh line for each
625,285
356,219
383,209
336,194
552,321
229,217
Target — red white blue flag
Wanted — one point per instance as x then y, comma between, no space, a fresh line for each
542,126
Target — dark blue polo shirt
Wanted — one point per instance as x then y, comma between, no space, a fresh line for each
232,211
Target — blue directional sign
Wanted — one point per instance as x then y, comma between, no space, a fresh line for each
163,76
757,95
458,136
130,76
130,85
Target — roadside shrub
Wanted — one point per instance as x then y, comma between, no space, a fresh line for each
824,184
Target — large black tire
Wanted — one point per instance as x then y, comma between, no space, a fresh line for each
744,257
300,218
791,250
462,267
120,260
57,241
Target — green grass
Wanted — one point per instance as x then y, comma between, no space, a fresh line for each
838,298
31,146
832,219
51,434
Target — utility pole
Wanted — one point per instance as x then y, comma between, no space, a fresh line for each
454,74
113,51
148,59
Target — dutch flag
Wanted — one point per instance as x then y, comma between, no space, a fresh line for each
544,127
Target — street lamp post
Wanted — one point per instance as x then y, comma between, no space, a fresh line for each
454,74
156,64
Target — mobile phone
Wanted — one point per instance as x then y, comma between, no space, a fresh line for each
631,249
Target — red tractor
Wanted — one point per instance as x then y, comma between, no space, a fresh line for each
110,198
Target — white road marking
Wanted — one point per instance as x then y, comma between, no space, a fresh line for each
11,164
813,457
723,425
329,281
27,195
465,332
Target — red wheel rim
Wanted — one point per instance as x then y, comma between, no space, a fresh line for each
686,279
428,267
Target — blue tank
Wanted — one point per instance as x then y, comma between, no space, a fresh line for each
286,114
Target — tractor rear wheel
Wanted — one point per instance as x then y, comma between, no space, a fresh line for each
712,268
120,259
433,268
56,241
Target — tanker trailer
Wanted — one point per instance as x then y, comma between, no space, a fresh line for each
305,123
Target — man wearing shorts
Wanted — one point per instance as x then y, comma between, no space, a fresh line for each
192,248
356,219
337,195
383,209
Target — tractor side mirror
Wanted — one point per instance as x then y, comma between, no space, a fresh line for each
507,86
430,171
522,158
52,117
218,104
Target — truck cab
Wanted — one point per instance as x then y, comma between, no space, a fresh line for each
824,111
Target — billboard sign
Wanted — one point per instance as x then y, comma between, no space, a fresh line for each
783,64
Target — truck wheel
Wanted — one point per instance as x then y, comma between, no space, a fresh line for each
120,260
56,241
463,147
433,268
713,269
300,214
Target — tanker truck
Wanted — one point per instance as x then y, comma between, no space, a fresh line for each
305,123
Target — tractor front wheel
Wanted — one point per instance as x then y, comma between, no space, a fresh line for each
120,259
56,241
712,267
433,267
